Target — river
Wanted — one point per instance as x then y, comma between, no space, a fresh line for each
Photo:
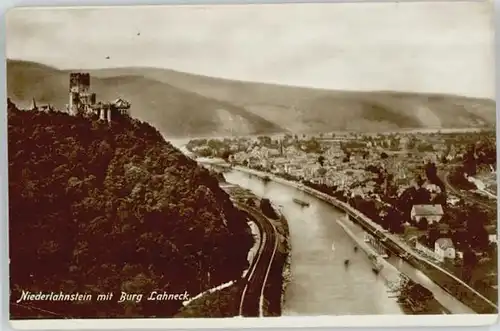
321,284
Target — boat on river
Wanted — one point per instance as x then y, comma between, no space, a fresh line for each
376,245
377,265
366,238
300,202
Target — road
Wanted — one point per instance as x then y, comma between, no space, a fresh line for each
252,298
403,245
396,240
409,250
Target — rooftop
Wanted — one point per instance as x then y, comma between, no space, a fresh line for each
445,243
427,210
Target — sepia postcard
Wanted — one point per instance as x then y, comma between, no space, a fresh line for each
279,165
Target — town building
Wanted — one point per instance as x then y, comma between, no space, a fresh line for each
432,213
444,249
492,234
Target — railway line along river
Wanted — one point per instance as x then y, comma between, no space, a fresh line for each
321,284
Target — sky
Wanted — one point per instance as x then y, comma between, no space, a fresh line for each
433,47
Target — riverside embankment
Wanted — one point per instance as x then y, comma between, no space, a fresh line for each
320,284
266,280
446,299
389,272
394,278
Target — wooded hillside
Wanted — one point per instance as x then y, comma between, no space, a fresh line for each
99,209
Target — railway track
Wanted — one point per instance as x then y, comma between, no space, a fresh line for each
253,295
465,195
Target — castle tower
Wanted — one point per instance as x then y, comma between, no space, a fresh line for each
33,104
79,85
93,99
102,114
108,114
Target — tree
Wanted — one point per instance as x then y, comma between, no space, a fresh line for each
267,208
432,234
412,141
475,225
431,173
470,162
264,140
470,257
250,202
321,160
423,223
439,199
420,181
321,171
101,208
394,221
422,196
373,169
225,155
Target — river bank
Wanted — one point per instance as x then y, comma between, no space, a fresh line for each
394,278
320,285
388,271
278,273
444,295
287,251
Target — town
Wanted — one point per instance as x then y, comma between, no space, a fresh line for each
436,191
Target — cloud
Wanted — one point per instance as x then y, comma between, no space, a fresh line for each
418,47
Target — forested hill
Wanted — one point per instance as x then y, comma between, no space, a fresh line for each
99,209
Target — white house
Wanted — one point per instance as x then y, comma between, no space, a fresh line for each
492,234
433,188
444,249
433,213
452,200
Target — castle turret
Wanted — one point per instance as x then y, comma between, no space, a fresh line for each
79,97
33,104
102,114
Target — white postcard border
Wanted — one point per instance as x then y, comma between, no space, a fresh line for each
267,322
197,323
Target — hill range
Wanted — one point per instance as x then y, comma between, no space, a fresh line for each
183,105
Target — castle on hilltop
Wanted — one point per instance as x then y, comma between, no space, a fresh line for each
81,101
84,103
